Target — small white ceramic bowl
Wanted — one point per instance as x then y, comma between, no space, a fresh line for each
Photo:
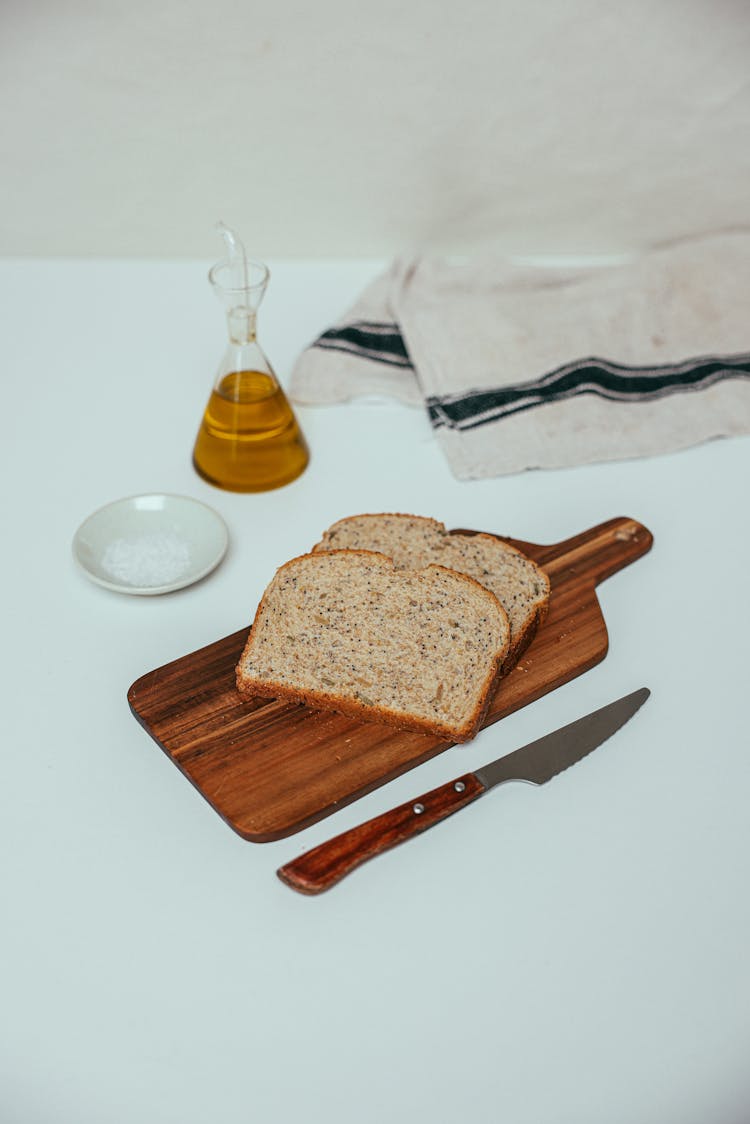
150,544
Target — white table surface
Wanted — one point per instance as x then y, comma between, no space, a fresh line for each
576,953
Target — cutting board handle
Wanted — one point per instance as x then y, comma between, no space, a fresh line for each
599,552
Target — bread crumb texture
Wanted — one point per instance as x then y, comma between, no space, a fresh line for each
419,648
414,541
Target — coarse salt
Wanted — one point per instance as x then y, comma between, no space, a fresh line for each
148,560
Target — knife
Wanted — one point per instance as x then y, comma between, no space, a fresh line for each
536,763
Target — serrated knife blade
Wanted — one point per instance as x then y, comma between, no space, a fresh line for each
536,763
541,760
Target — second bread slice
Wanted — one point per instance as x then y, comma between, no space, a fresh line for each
521,587
344,630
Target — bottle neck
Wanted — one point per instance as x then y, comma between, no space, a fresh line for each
241,324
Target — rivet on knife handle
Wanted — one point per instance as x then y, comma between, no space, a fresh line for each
327,864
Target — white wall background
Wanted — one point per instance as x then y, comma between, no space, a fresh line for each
336,128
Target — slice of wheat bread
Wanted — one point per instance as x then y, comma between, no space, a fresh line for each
346,631
414,541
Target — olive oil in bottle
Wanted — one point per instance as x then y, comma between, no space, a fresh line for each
249,439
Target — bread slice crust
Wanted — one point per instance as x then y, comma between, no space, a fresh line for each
404,537
276,658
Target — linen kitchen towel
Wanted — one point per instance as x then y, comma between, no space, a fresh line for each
524,367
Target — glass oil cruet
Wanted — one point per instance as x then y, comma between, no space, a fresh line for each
249,439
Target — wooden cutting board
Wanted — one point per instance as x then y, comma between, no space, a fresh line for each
272,768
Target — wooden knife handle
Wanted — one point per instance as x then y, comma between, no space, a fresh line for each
327,864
